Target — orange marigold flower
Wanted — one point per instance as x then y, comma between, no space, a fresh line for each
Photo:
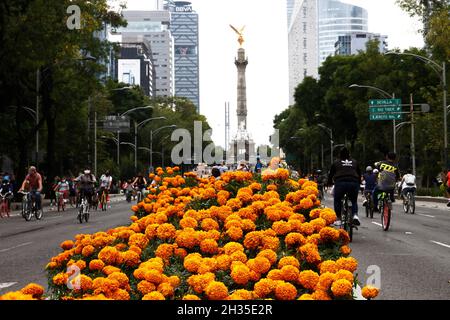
369,292
239,256
109,255
88,251
252,240
308,279
209,224
120,277
166,231
260,265
240,274
288,261
264,287
191,297
345,250
96,265
207,265
348,263
138,239
151,231
271,243
232,247
275,274
321,295
314,214
235,233
164,251
272,187
166,289
328,215
155,295
223,262
306,296
329,234
281,227
290,273
34,290
285,291
216,290
341,288
188,222
328,266
269,254
110,269
294,239
241,294
344,274
307,228
174,281
145,287
318,224
325,281
209,246
67,245
192,262
306,203
310,253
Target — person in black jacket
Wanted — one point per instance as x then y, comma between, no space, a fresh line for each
346,176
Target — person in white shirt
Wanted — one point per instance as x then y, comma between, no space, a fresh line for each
408,183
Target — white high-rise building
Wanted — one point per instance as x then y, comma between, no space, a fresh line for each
154,26
314,28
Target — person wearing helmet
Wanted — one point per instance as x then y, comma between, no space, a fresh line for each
387,177
105,184
370,180
86,182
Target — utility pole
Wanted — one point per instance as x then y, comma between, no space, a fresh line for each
38,90
413,149
89,131
95,143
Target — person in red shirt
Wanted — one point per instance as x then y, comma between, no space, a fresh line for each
447,185
33,184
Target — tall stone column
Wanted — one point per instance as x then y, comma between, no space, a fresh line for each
241,64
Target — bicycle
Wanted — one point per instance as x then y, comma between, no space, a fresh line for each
369,204
29,207
385,204
409,202
103,199
60,201
346,217
4,205
83,213
139,195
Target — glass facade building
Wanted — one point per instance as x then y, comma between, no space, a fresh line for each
335,19
184,29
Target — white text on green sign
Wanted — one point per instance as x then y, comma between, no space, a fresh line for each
384,109
394,116
385,102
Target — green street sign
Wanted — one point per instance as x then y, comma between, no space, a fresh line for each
385,102
385,116
385,109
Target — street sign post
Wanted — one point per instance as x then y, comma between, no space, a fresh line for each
385,102
385,109
385,116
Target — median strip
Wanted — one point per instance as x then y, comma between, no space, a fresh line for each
425,215
440,243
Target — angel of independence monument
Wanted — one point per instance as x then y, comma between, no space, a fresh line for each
242,147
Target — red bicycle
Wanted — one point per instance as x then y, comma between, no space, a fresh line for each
61,196
4,205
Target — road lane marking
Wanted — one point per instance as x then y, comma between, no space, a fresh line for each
18,246
408,232
378,224
6,284
441,244
426,215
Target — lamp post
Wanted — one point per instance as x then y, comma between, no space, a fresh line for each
136,127
387,95
330,132
151,141
441,71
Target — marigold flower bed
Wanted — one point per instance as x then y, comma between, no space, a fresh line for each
238,238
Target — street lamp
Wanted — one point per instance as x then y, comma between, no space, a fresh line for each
330,132
151,141
441,71
387,95
136,127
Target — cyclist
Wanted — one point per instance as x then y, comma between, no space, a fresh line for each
346,176
6,189
387,177
370,180
319,179
105,184
33,183
72,192
408,183
63,187
140,183
258,166
86,183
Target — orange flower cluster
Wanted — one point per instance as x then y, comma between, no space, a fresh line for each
237,238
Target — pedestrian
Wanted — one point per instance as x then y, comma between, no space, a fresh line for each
447,185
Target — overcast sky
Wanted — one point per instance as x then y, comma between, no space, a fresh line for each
266,47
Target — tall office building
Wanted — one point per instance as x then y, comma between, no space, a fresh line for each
154,26
302,43
314,28
184,29
336,19
353,43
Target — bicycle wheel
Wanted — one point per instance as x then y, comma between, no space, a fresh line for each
104,204
406,203
368,208
385,216
412,203
86,215
28,212
38,213
80,213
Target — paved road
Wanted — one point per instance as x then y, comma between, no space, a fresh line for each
413,256
26,247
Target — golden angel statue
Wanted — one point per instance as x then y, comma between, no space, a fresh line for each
240,33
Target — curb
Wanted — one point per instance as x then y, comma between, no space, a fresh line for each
432,199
